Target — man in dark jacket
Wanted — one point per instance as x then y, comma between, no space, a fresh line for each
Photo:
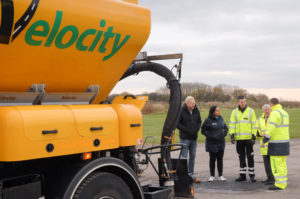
189,124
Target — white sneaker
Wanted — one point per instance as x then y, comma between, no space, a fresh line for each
222,178
211,178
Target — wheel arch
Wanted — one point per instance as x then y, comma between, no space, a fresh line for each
110,165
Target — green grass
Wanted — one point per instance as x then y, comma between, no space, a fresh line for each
153,123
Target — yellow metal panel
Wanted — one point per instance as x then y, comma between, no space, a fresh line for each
61,45
46,118
16,145
130,124
102,118
139,101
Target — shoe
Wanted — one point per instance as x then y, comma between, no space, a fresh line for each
270,182
241,179
197,180
221,178
211,178
252,179
266,180
274,188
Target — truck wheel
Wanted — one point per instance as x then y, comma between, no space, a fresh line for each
103,185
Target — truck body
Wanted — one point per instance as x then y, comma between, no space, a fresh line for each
59,60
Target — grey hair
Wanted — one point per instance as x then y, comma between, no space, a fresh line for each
189,98
265,106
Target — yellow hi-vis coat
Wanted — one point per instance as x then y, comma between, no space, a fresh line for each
243,124
279,144
262,127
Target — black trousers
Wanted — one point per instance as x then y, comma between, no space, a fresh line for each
268,169
212,160
245,149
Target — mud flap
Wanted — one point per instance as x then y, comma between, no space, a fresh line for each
184,183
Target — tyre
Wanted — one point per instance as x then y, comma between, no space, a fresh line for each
102,185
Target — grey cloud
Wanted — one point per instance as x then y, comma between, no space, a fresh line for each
259,39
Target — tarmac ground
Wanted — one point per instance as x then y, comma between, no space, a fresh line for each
231,189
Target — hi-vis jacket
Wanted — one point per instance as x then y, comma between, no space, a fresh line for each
278,132
243,124
262,128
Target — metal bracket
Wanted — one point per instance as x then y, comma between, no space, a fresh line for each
143,57
37,88
71,98
31,97
93,89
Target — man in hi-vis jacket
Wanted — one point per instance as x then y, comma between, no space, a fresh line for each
278,137
242,129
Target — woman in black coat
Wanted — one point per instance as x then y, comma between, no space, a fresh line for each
215,130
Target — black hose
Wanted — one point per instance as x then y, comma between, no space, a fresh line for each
174,104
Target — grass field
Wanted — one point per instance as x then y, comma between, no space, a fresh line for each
153,123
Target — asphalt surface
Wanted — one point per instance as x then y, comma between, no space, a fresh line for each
231,189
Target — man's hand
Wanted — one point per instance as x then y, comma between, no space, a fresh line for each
253,139
232,139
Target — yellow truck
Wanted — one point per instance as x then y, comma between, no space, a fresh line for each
60,59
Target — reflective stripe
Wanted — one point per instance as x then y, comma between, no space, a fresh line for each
251,168
242,172
277,126
280,177
281,116
281,125
284,125
251,173
254,127
281,182
230,122
235,114
243,169
250,113
232,127
263,130
253,122
279,141
273,124
267,136
243,133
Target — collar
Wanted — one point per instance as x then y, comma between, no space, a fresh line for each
242,109
277,106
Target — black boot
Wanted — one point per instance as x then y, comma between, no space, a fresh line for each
241,178
274,188
266,180
252,179
270,182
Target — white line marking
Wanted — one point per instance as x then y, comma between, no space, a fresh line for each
26,18
18,28
33,6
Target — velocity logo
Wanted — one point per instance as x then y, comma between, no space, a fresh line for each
8,30
41,34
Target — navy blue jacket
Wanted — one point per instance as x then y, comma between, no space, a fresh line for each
215,131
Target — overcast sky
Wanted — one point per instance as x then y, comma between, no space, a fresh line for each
246,43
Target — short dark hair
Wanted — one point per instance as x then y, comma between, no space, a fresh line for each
241,97
274,101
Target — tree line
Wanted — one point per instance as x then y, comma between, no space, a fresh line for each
206,93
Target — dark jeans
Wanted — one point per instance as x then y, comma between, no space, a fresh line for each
268,169
245,148
191,146
212,160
